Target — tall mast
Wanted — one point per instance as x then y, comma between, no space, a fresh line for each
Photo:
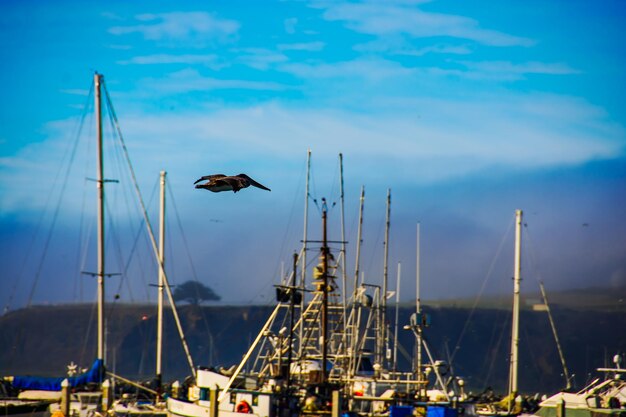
343,253
100,188
354,333
159,350
395,332
516,307
358,244
383,330
324,258
418,303
304,241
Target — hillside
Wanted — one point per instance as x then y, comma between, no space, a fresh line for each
43,340
596,299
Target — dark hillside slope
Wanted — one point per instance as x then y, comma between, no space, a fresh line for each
43,340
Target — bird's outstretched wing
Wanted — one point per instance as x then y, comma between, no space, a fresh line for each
253,182
210,177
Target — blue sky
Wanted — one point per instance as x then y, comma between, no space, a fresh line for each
466,110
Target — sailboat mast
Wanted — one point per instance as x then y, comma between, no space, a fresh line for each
516,306
304,242
395,332
324,255
418,303
159,348
344,278
100,190
359,240
383,321
354,332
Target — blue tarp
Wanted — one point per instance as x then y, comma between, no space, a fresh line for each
400,411
437,411
54,384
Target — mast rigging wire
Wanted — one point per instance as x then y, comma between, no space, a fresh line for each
149,226
480,293
58,205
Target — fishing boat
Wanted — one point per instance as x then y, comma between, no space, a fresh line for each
320,352
604,396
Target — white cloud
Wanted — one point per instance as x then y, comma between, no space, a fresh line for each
400,46
304,46
190,80
290,25
509,71
388,18
373,69
181,26
421,139
209,60
259,58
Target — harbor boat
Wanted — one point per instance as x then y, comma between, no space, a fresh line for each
26,403
20,407
322,353
92,391
604,396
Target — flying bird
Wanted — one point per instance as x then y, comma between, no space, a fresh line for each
221,182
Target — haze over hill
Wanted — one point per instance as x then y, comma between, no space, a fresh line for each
42,340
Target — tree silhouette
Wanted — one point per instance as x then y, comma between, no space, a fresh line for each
194,292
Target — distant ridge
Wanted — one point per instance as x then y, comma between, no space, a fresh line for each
592,298
42,340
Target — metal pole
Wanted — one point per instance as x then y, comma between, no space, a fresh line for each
354,334
324,255
343,254
292,303
159,350
304,241
395,332
383,330
249,353
568,384
100,189
516,307
418,304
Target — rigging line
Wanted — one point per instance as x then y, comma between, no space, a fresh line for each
482,289
131,254
122,172
539,280
152,239
494,340
94,309
497,348
58,206
182,234
290,219
83,261
374,248
82,246
334,189
534,362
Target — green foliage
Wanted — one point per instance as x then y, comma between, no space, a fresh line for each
194,292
